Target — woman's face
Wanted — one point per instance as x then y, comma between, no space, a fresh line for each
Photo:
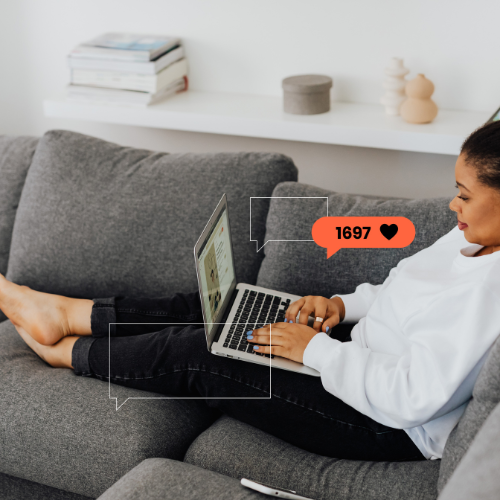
477,207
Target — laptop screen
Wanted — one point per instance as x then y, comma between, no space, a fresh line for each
216,268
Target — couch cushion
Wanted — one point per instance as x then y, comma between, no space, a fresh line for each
162,479
477,474
302,267
14,488
239,450
97,219
16,154
63,431
485,397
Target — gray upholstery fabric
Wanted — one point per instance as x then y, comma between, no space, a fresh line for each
239,450
98,219
14,488
162,479
16,154
485,397
63,431
476,476
302,267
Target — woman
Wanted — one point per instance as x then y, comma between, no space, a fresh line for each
394,392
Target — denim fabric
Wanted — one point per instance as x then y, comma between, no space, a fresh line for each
173,360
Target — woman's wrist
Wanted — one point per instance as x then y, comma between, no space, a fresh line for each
341,307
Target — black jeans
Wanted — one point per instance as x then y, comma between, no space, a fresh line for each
173,360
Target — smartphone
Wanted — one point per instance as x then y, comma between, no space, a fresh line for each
271,490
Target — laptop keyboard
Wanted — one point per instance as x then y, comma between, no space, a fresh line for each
255,311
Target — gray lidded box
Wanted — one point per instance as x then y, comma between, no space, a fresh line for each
307,94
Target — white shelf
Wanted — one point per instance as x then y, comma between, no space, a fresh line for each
363,125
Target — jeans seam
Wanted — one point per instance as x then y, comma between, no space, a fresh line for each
156,313
324,415
161,374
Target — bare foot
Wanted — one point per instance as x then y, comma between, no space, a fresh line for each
45,317
57,355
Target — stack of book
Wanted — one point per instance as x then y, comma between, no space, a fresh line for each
127,69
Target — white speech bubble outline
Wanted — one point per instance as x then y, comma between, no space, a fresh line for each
178,397
285,197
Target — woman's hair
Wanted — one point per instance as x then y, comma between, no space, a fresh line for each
481,150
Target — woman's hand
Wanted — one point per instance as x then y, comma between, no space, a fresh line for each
331,310
289,340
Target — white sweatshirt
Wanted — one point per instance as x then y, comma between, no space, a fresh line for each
420,340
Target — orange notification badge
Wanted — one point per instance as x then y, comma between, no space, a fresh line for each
334,233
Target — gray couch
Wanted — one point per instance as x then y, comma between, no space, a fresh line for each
86,218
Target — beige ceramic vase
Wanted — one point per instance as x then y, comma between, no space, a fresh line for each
419,107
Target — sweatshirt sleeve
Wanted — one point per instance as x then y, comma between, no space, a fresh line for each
357,304
425,381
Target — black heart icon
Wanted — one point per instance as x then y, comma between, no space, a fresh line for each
389,231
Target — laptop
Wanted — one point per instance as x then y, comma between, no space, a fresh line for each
230,309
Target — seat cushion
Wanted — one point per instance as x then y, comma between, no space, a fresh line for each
477,476
485,398
239,450
301,267
63,431
14,488
97,219
163,479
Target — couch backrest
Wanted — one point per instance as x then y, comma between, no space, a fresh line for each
97,219
477,474
301,267
16,154
485,397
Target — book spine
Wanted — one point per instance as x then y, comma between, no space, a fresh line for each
174,88
171,73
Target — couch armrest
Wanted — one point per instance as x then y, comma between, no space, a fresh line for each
162,479
476,476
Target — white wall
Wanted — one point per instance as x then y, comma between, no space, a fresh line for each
248,46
